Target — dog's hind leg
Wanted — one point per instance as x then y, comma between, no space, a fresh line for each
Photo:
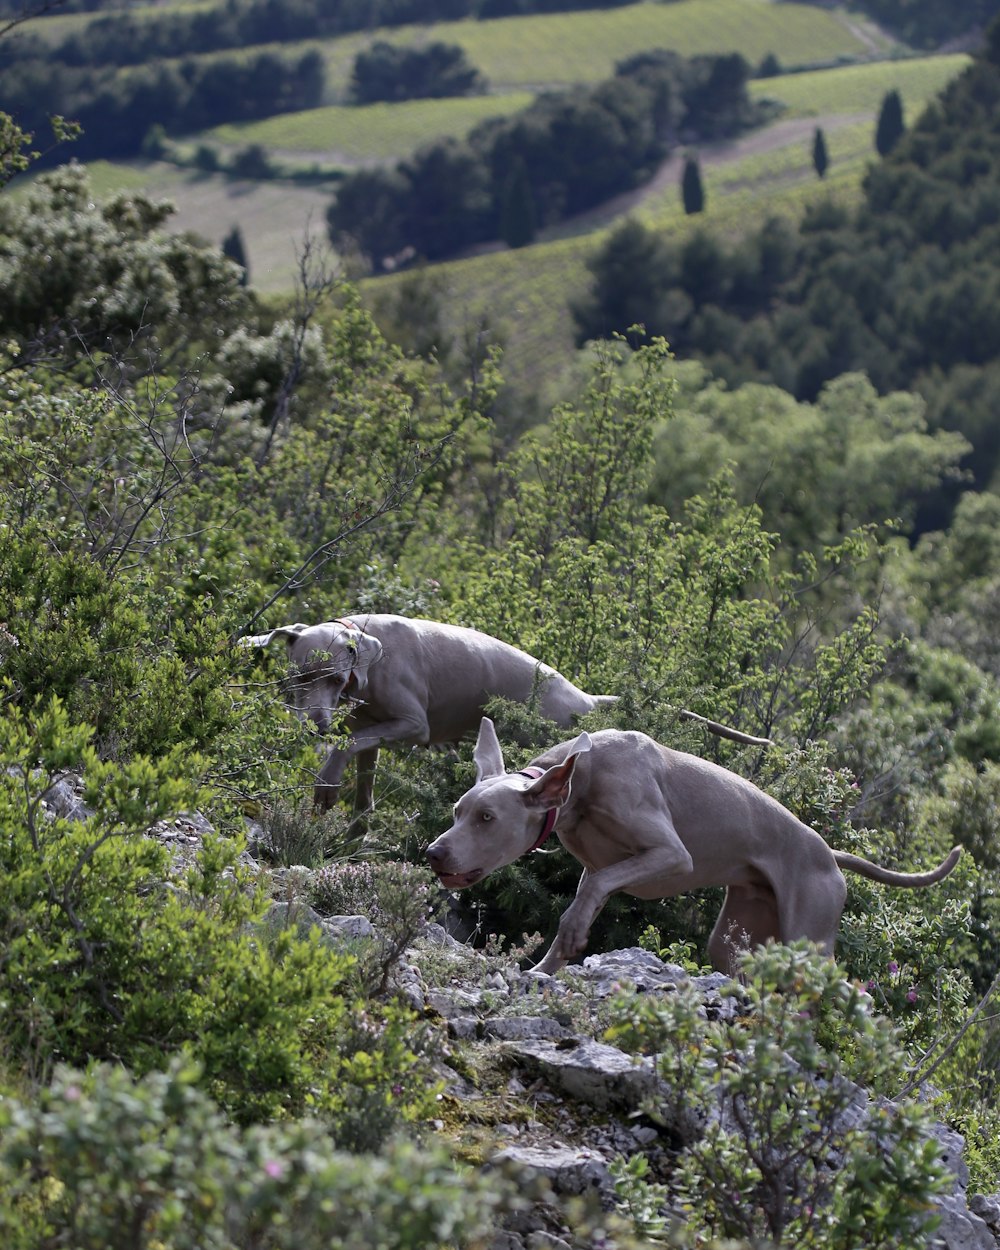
749,918
813,909
365,763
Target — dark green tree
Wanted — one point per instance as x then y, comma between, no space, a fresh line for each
387,72
251,162
821,159
692,191
889,128
234,247
518,219
629,275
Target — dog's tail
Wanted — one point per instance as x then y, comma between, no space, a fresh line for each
911,880
724,731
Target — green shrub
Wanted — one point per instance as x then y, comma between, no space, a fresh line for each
295,833
108,953
104,1162
397,898
780,1153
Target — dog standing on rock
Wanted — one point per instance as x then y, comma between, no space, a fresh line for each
651,822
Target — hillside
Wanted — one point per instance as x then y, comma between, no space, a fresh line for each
526,295
273,976
213,204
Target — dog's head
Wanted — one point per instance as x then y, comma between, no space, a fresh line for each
329,662
500,818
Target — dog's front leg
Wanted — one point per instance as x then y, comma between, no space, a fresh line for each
327,787
554,959
666,865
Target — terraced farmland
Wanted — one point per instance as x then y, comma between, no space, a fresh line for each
526,293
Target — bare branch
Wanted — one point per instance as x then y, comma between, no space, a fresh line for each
315,282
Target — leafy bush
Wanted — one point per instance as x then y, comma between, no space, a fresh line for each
103,1162
108,953
787,1148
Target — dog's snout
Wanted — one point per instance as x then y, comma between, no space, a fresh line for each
436,855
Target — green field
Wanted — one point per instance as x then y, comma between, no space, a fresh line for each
861,88
340,134
350,136
557,49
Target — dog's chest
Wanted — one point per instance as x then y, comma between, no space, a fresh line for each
589,843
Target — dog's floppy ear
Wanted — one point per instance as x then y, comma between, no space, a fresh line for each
552,789
488,755
367,650
290,632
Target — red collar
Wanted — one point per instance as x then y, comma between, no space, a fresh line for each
549,823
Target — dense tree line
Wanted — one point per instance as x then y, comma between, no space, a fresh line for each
119,38
116,109
927,23
570,150
905,288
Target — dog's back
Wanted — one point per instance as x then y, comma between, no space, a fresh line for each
454,671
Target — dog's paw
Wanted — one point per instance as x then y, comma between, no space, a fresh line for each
539,973
572,938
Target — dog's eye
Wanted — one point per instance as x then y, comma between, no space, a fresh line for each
485,817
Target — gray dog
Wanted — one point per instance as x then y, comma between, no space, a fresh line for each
653,823
410,682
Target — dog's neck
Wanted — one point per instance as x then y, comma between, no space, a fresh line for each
551,816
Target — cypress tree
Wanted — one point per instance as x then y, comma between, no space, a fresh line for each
890,127
820,158
517,209
692,192
234,248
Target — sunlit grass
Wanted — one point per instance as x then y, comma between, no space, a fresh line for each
556,49
861,88
374,132
387,131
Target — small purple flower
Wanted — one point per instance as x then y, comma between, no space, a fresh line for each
275,1169
72,1093
893,966
911,995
